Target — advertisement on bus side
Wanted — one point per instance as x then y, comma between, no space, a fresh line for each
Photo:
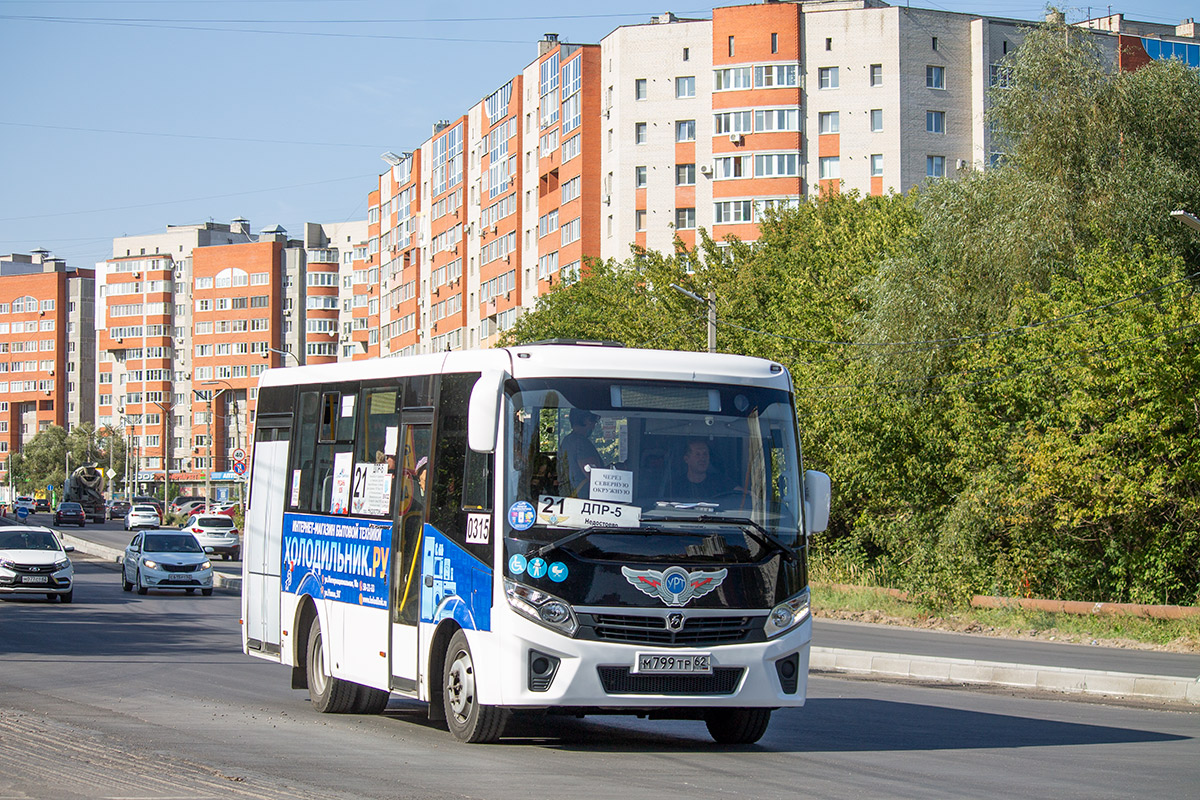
336,558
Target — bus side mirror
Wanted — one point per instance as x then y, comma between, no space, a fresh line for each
817,490
483,414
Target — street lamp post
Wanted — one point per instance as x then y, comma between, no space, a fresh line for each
208,471
1191,220
237,428
270,350
711,303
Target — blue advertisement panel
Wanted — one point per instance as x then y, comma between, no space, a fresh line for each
337,558
461,587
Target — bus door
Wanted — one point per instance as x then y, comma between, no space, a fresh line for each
262,548
415,483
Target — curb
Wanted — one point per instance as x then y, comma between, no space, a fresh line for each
113,555
1019,676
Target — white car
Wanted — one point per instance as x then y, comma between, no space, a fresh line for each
27,503
166,560
142,515
33,561
216,534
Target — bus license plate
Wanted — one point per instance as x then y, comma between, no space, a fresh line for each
36,579
673,664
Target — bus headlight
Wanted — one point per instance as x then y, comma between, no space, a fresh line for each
787,614
541,607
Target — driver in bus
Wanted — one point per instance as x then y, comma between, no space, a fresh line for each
699,480
578,454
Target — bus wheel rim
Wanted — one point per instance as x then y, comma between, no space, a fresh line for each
460,684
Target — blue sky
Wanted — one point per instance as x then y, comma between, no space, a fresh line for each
120,118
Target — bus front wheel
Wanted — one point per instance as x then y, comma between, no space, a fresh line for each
467,719
329,695
737,725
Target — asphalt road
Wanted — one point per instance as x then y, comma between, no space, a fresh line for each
880,638
124,696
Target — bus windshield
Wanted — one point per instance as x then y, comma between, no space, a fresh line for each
586,454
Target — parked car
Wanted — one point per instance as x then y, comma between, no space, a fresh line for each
33,561
188,505
216,534
228,509
25,502
166,560
117,509
142,515
69,512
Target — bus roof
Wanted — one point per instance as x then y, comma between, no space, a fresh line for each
550,360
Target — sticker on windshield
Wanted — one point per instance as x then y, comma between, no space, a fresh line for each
558,572
521,515
517,564
611,484
574,512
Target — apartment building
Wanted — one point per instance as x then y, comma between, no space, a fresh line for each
47,350
188,319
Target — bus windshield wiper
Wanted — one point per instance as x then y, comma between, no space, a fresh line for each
749,526
579,534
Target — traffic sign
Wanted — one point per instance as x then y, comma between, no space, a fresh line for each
22,513
110,473
238,454
239,467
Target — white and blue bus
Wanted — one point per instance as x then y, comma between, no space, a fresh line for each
560,527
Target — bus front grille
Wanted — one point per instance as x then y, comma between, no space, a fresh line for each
646,629
619,680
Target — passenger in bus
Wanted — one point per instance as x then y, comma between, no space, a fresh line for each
544,479
699,481
578,455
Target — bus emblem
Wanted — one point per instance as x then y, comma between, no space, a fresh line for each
675,586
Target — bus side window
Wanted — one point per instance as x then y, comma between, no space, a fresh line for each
303,451
463,479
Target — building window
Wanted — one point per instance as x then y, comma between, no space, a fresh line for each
828,43
685,218
731,47
876,120
935,121
639,219
685,174
639,133
639,89
877,74
828,77
830,167
935,77
876,165
685,130
774,42
686,53
685,86
828,122
935,166
935,43
731,211
639,177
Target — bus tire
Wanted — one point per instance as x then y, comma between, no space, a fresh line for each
329,695
737,725
371,700
465,717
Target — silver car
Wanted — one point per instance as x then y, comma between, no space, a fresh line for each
166,560
142,515
33,561
216,534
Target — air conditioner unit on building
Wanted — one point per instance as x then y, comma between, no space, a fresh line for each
705,169
736,138
137,274
608,199
962,164
179,340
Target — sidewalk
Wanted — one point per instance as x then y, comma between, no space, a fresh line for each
1182,687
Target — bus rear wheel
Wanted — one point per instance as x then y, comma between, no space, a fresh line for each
466,718
737,725
329,695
